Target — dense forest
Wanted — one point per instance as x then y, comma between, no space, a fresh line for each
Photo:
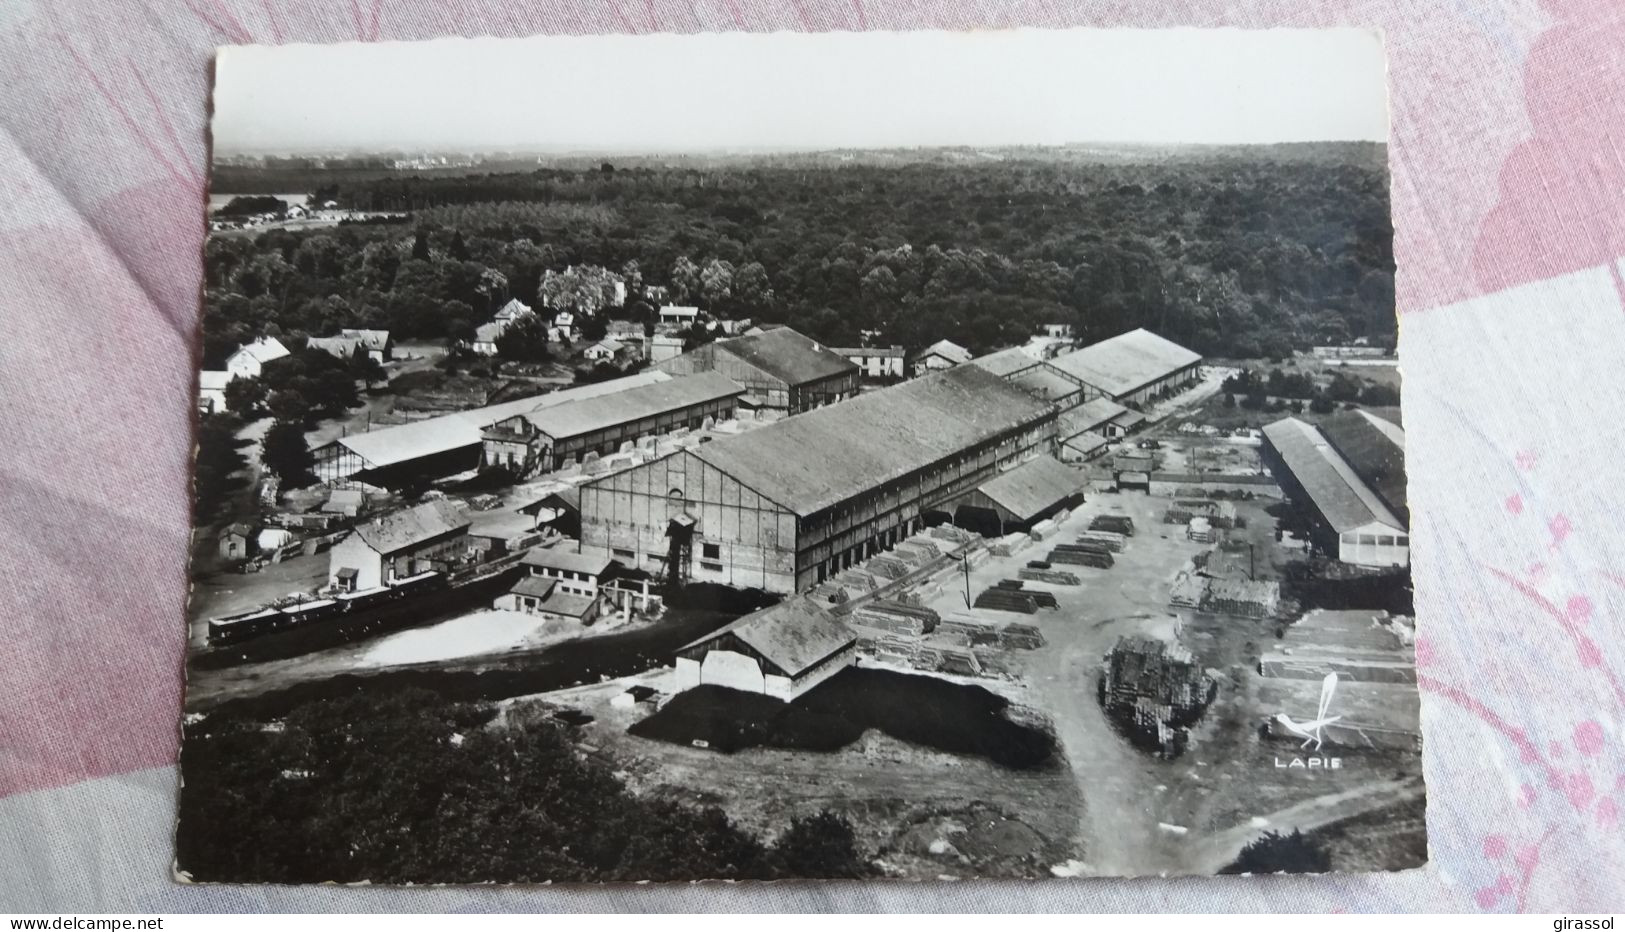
410,787
1244,254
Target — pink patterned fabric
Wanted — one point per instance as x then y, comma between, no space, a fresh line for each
1509,205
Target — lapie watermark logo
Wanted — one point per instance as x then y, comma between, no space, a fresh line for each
1312,731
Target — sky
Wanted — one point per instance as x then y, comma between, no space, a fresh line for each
794,91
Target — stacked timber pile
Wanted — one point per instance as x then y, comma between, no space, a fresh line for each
1081,555
1117,524
956,534
1252,598
1010,544
1007,600
856,580
1053,577
1024,637
1153,692
1181,511
897,618
1043,598
888,566
1107,539
1201,531
1045,529
1188,591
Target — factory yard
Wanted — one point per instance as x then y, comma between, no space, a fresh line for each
1102,806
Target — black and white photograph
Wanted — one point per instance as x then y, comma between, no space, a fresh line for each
917,456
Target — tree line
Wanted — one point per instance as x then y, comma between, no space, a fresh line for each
1234,257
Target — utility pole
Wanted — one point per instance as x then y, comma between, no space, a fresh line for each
964,561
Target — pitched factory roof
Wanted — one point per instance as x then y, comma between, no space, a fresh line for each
605,411
787,356
1043,382
411,526
403,442
1007,362
811,461
1375,450
948,350
794,635
552,558
1127,362
1335,490
1089,416
1027,490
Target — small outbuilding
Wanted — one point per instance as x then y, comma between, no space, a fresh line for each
782,651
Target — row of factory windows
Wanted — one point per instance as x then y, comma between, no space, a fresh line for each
1378,540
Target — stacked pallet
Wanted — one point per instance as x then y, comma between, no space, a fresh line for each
1006,600
1080,557
1053,577
1106,539
1117,524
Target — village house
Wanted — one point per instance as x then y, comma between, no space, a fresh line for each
605,350
430,536
538,595
249,360
782,651
512,311
943,354
679,315
486,336
377,343
235,540
211,390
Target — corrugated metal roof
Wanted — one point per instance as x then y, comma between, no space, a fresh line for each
811,461
1337,492
606,411
1375,449
410,526
1124,363
1007,362
404,442
788,356
795,634
1045,383
1091,415
1035,485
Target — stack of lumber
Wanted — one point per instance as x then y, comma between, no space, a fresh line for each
949,532
888,566
1247,597
1117,524
1044,529
1154,691
1181,511
1110,541
1025,637
1053,577
897,617
1006,600
1081,557
1010,544
1188,591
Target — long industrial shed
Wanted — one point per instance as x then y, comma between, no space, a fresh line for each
784,506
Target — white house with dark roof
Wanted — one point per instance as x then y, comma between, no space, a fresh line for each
782,651
576,573
400,544
211,390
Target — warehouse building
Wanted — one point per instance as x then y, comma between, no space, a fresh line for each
784,506
1021,368
1137,367
1375,450
430,536
436,447
943,354
782,651
555,436
1018,498
780,369
1350,521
